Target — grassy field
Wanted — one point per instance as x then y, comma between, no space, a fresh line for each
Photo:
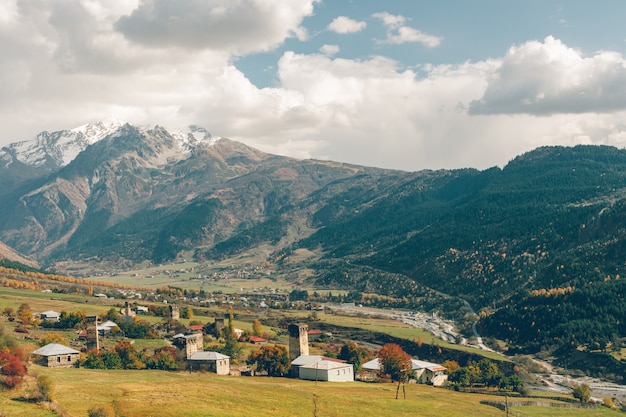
159,393
40,301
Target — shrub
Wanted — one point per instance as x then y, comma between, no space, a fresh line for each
99,412
46,388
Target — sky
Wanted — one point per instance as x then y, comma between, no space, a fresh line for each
399,84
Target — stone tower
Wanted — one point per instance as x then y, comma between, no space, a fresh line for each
128,310
298,340
174,312
93,340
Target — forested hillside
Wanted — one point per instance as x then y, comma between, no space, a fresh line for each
535,247
538,244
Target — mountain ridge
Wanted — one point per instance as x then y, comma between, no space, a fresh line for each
552,218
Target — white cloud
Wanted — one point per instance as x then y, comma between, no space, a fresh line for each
237,26
330,49
343,24
548,77
64,64
406,34
8,12
397,33
390,20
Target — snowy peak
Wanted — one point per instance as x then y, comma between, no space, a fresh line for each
93,132
190,137
58,149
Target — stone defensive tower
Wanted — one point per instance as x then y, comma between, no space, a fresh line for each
298,340
128,311
93,341
174,312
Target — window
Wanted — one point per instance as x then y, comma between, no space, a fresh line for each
58,359
69,358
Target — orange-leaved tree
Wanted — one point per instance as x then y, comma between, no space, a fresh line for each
396,364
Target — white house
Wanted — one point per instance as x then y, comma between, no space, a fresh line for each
321,368
106,327
429,373
328,370
423,372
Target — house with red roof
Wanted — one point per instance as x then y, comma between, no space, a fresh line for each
255,340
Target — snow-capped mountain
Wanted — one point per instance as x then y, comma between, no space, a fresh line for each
57,149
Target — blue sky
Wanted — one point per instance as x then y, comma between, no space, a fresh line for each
402,84
470,30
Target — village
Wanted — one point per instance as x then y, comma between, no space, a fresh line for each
191,355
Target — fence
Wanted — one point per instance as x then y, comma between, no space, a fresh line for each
529,403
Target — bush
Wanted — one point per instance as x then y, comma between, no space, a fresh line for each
46,388
608,402
99,412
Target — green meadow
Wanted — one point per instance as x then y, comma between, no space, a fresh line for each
166,394
160,393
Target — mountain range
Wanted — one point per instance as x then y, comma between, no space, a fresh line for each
524,243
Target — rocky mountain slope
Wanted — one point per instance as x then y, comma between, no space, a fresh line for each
517,242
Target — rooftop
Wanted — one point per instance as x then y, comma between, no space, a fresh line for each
207,356
53,349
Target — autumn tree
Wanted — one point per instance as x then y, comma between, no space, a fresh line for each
582,392
12,369
231,345
131,359
450,365
53,338
25,314
112,315
164,359
395,363
70,320
257,328
272,359
354,354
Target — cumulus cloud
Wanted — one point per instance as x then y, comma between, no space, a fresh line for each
237,26
343,24
330,49
398,33
548,77
390,20
66,63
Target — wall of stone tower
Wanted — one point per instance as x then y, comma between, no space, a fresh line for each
174,312
193,344
93,340
128,310
298,340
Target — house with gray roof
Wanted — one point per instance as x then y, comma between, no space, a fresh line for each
328,370
56,355
322,368
210,361
423,372
49,315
